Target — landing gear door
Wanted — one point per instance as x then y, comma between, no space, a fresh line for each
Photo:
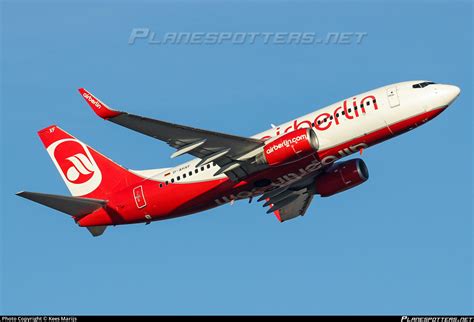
392,94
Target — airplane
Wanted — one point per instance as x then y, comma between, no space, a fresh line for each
284,166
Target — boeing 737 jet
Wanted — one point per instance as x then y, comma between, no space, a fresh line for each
284,167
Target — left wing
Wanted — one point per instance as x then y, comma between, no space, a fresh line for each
230,152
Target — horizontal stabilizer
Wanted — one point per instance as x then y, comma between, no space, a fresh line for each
74,206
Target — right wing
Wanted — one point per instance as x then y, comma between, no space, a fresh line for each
297,208
230,152
287,203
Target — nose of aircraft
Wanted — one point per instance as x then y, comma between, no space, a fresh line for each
450,93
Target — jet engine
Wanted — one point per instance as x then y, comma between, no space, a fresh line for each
289,147
341,176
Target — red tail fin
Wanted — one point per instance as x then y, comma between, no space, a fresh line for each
86,172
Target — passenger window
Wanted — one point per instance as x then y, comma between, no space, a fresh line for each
368,103
208,166
161,185
202,168
172,180
178,178
343,112
184,175
190,173
330,117
166,182
337,114
349,110
196,170
319,122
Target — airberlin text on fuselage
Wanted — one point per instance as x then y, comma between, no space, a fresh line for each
325,120
291,177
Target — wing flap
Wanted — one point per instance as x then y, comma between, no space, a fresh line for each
180,136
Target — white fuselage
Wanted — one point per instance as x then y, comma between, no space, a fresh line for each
342,122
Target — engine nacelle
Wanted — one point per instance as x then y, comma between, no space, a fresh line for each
289,147
341,176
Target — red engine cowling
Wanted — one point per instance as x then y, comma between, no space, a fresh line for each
341,176
289,147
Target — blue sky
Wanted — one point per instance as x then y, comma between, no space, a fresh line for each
399,244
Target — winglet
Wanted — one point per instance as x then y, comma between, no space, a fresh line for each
97,106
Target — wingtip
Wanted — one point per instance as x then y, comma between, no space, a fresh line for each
99,108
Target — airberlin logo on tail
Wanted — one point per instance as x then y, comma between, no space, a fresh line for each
81,166
76,166
91,99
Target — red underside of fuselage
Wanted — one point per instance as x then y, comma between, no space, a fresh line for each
181,199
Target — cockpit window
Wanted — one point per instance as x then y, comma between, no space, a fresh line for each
424,84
